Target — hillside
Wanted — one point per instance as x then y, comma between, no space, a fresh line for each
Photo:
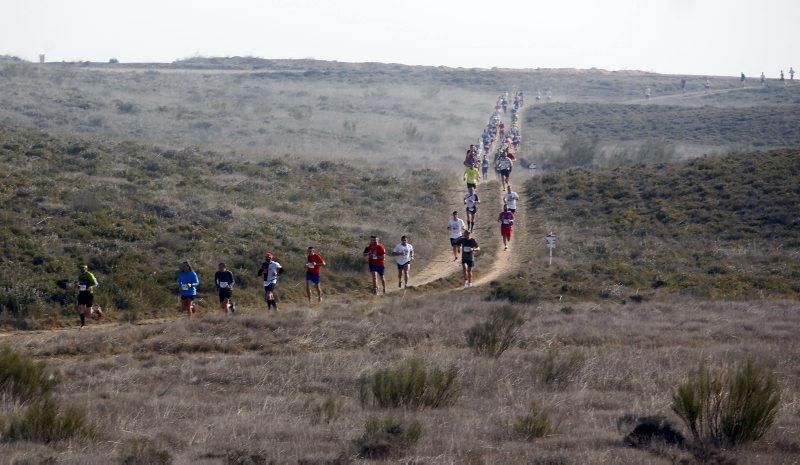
719,227
755,126
134,211
406,115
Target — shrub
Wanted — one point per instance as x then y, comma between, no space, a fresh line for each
497,334
561,370
143,452
388,437
43,421
410,385
535,424
125,107
22,377
326,411
727,408
513,294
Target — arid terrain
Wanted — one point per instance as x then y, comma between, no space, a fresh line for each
678,247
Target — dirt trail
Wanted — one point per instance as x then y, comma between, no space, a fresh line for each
504,261
687,95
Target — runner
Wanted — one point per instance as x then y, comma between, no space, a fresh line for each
504,165
405,254
742,78
791,73
782,80
472,175
707,85
314,264
375,253
223,280
456,227
188,283
270,270
683,86
485,167
506,220
471,158
471,200
468,248
86,284
763,79
510,199
647,93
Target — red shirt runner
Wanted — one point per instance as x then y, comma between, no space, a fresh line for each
317,260
376,254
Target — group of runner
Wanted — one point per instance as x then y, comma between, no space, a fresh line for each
506,143
462,240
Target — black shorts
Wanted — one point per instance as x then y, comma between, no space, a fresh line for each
269,287
505,172
472,185
187,297
472,209
454,242
85,298
226,293
512,210
403,266
469,263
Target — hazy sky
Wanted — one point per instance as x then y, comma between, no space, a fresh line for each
666,36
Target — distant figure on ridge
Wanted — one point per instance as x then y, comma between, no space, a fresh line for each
763,79
647,93
742,78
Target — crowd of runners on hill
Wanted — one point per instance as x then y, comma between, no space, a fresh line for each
495,148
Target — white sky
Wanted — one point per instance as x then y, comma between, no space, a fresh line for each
721,37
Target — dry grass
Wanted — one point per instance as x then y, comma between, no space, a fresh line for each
210,389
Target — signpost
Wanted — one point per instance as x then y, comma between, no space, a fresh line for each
551,244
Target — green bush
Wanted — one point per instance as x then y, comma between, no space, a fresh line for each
388,437
44,421
497,334
535,424
411,385
726,407
22,377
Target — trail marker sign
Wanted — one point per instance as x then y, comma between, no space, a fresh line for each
551,244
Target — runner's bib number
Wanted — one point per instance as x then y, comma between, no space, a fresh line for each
186,287
223,285
467,249
82,287
507,222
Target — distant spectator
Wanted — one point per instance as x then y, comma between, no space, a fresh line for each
791,73
683,85
763,79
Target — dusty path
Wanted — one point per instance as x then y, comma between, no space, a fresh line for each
687,95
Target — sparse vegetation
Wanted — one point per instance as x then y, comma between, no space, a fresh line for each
23,378
534,424
768,126
497,334
387,437
559,370
42,419
728,407
45,421
411,384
